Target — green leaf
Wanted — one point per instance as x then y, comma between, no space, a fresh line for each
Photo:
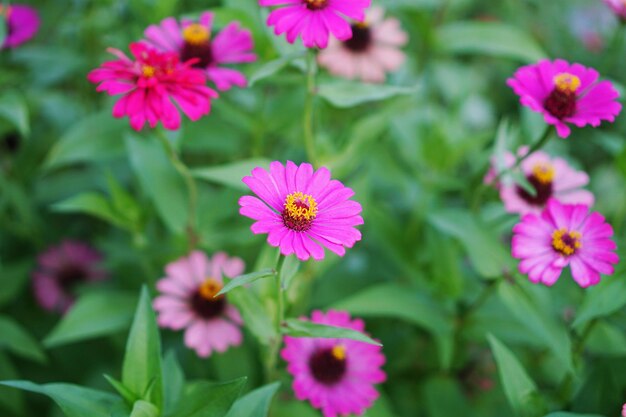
123,203
144,409
272,67
483,247
160,180
91,203
606,340
17,340
121,389
141,370
349,94
173,383
300,328
606,298
94,314
394,301
75,401
255,316
519,388
537,322
290,268
230,175
14,278
564,414
255,403
496,39
444,397
95,138
10,399
206,399
14,109
246,279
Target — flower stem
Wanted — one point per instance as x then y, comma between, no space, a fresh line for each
311,90
271,368
182,169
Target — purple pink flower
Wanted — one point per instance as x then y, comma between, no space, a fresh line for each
618,7
302,210
22,23
550,178
371,52
188,301
564,235
315,20
566,93
61,269
194,40
337,376
150,84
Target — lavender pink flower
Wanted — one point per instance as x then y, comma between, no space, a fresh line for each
22,23
151,84
337,376
194,40
618,7
550,178
371,52
188,301
315,20
566,94
302,210
61,269
564,235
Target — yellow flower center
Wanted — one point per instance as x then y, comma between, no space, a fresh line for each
300,211
566,242
543,172
339,352
148,71
196,34
566,82
209,289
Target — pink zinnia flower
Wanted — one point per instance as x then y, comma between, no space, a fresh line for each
22,23
624,411
564,235
188,302
550,177
193,40
336,376
618,7
566,93
314,20
148,85
371,52
61,269
302,210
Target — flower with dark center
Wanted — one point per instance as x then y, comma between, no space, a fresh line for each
361,38
328,365
561,102
204,301
315,4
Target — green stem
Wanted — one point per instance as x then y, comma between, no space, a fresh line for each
182,169
311,90
271,368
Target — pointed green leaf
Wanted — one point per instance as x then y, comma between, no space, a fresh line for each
230,175
602,300
18,341
255,403
246,279
75,401
173,383
14,109
94,315
272,67
142,361
144,409
301,328
91,203
121,389
289,269
206,399
255,316
345,94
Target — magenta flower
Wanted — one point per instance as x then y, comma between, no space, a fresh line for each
314,20
550,177
188,302
336,376
193,40
564,235
22,23
566,93
150,83
61,269
618,7
302,210
371,52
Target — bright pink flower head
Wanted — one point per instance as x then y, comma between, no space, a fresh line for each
550,177
150,84
371,52
22,24
618,7
624,411
336,376
564,235
302,210
191,40
566,93
315,20
188,301
61,269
